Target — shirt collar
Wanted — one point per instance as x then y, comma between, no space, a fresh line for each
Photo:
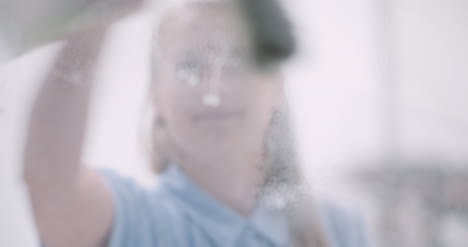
222,224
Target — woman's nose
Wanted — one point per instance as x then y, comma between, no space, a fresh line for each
211,96
214,83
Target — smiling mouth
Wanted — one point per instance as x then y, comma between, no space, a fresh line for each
217,116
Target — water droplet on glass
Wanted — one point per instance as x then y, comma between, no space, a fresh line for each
211,100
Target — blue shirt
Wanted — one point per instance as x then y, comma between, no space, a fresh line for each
176,212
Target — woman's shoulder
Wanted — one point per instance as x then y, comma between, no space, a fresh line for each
344,226
138,212
132,192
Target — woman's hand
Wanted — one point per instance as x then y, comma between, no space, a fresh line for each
25,24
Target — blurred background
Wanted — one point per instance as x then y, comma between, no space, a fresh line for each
377,91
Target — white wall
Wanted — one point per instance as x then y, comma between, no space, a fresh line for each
432,61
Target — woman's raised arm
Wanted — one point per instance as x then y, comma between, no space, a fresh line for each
71,205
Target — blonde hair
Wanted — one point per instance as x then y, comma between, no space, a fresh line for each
284,186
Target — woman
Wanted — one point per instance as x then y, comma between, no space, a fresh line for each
227,174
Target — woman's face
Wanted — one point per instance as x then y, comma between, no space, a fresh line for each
207,90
